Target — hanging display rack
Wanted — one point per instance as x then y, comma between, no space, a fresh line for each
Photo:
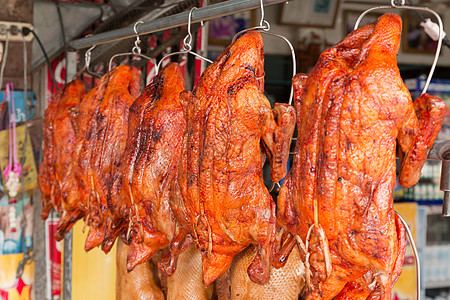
201,14
440,150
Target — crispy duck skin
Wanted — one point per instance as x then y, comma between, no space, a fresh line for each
102,132
46,177
352,110
112,127
219,195
139,195
75,189
59,143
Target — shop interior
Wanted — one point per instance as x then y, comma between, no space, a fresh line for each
46,44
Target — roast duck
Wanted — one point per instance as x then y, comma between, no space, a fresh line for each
353,113
139,194
101,122
218,196
59,143
182,171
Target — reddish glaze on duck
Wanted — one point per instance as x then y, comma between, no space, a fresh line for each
353,112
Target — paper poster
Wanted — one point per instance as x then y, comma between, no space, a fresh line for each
53,259
18,241
29,170
12,288
13,245
406,288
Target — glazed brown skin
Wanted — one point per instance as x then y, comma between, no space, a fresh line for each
141,188
219,196
112,124
59,143
75,189
103,119
352,110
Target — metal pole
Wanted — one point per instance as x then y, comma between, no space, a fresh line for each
441,151
445,187
71,65
67,273
201,14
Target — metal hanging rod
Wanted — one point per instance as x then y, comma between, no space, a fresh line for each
202,14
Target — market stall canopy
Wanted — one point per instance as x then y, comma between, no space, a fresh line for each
76,18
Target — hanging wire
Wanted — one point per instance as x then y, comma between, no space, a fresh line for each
264,27
402,5
87,62
445,40
63,35
5,56
263,24
25,142
26,31
416,254
136,49
186,48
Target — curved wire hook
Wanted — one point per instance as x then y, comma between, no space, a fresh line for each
87,62
186,48
416,254
264,27
294,60
406,7
263,24
135,51
273,186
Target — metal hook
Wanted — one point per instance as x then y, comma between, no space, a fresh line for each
87,56
264,27
137,49
188,39
186,48
87,62
426,9
263,22
273,186
416,254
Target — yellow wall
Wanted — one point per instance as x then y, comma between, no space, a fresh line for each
94,272
9,285
405,288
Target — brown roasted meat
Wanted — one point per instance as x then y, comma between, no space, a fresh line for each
59,143
353,112
219,195
102,119
139,195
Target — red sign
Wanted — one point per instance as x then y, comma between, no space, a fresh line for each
53,259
